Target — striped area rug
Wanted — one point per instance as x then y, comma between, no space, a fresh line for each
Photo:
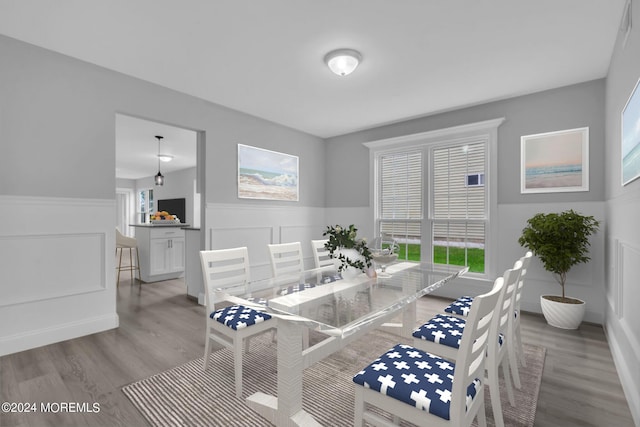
187,396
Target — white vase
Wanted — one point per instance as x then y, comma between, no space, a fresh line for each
348,271
562,315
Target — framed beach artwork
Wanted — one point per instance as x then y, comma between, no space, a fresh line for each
631,137
265,174
555,161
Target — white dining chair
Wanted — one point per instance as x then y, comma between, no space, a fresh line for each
517,335
460,307
286,258
231,326
426,389
442,334
321,257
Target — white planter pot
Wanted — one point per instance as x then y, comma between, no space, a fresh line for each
562,315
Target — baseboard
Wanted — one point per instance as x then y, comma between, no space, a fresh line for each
41,337
626,373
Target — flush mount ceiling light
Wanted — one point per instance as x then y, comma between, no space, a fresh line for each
165,157
159,179
343,61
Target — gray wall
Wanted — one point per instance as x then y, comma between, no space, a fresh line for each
569,107
565,108
57,134
623,232
57,129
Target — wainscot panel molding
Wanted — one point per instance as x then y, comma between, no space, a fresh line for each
303,234
622,325
227,226
79,258
57,258
625,349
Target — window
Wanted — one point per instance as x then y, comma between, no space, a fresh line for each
458,213
432,194
401,201
145,205
475,180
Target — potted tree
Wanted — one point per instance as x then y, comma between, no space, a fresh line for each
560,240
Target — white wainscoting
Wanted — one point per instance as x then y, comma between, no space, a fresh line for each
227,227
622,323
57,260
30,261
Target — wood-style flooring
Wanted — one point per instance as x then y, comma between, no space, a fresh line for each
161,328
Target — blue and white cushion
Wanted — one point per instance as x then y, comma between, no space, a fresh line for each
442,329
461,306
329,278
260,301
415,377
296,288
238,316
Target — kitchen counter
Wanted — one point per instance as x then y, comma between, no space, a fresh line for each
162,251
181,225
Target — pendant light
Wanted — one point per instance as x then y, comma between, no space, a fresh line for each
159,179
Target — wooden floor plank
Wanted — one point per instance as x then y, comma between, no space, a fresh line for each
160,328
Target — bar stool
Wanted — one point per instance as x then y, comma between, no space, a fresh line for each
123,242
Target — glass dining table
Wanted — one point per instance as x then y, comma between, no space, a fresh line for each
342,309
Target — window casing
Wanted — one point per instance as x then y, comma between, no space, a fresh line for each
145,205
433,192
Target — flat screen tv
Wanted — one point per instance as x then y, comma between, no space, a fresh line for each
174,207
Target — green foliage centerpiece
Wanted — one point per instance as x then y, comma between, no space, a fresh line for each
341,240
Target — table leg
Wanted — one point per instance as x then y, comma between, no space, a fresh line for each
286,410
409,320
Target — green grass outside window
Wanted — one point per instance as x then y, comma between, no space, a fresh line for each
411,252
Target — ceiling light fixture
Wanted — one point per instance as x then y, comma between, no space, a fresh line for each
343,61
159,179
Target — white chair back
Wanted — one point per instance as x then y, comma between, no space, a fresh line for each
470,363
505,311
526,260
224,269
321,256
286,258
123,241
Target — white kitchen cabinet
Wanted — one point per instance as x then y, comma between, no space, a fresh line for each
162,252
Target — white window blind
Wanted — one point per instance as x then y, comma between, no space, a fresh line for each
433,194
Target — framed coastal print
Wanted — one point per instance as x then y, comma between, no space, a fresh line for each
555,161
631,137
265,174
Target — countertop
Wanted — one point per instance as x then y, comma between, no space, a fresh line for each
181,225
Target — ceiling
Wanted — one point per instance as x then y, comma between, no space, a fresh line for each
137,147
265,58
